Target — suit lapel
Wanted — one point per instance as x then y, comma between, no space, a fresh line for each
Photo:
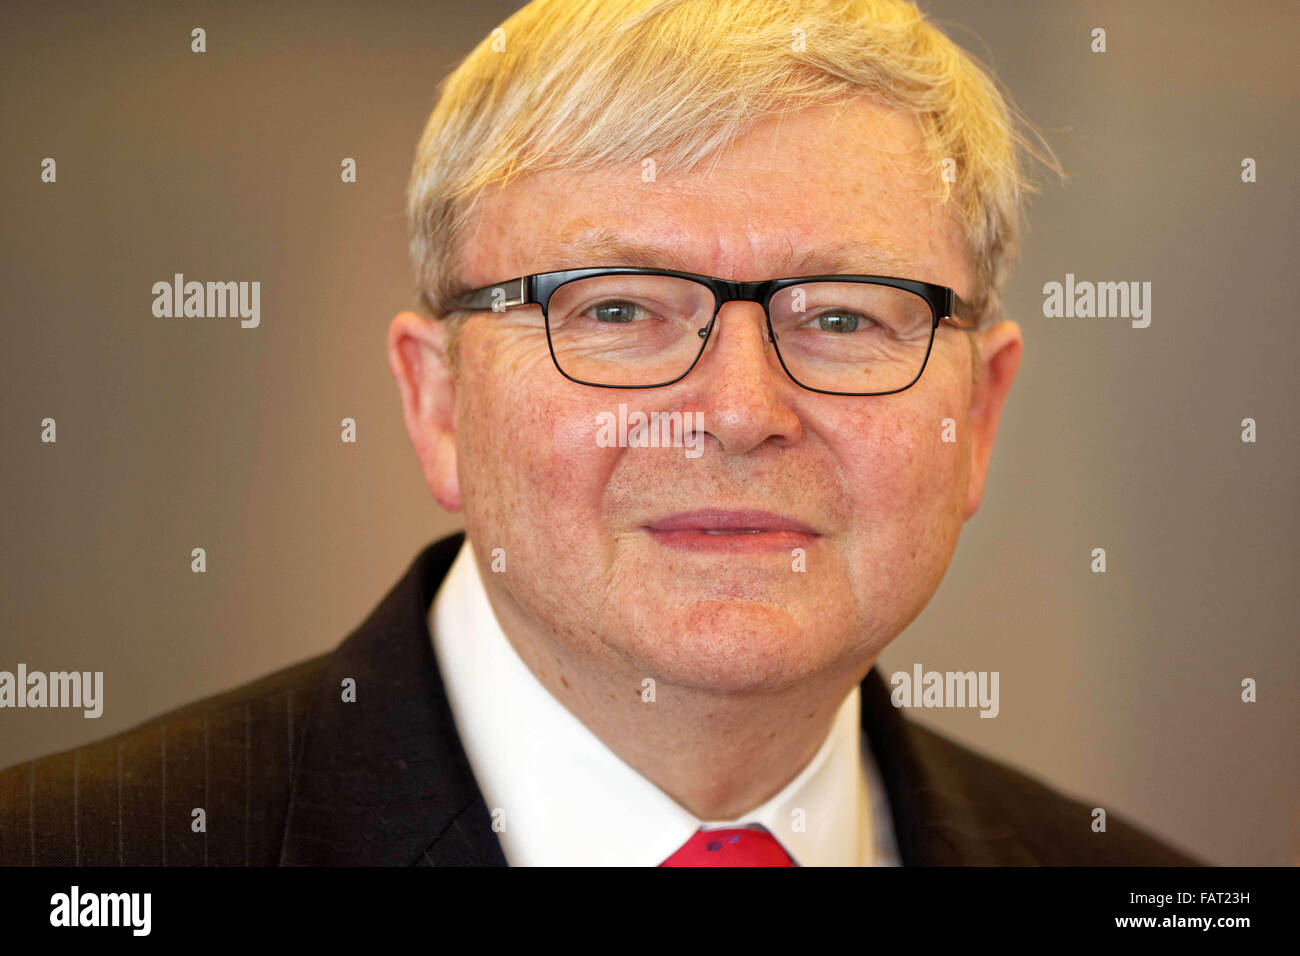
384,781
938,818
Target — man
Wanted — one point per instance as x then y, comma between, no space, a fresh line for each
698,504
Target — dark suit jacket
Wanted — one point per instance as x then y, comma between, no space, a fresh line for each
287,773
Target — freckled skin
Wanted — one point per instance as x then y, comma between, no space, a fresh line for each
750,658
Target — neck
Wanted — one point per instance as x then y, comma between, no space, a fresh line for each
719,755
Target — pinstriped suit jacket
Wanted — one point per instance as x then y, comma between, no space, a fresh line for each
289,774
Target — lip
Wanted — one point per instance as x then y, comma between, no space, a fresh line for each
716,529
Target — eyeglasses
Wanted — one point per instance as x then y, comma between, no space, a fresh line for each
617,327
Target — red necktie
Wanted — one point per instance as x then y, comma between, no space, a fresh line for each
741,847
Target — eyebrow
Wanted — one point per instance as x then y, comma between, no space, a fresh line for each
600,246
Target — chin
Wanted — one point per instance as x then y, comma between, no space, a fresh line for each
731,645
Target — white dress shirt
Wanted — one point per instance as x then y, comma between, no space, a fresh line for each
561,797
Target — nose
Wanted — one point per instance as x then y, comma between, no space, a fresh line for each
743,392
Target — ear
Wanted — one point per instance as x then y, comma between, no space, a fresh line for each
417,357
1000,348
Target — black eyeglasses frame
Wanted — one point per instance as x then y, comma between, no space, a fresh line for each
537,289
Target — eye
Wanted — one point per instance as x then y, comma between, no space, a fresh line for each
837,322
615,311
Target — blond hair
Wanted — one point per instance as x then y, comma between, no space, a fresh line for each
583,84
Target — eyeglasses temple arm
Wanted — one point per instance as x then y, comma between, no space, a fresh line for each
961,314
497,297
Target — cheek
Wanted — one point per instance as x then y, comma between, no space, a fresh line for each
529,463
930,442
907,486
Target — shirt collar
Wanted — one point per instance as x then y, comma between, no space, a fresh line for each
560,796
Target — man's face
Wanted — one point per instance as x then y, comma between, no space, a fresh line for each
881,494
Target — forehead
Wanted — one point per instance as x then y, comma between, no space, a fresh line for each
834,189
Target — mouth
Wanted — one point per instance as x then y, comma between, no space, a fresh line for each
731,531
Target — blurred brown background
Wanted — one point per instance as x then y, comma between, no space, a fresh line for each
1120,688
